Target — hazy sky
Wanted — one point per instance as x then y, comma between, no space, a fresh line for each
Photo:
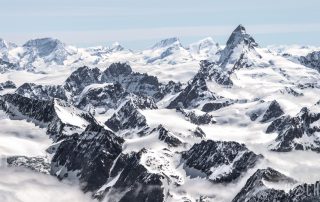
138,24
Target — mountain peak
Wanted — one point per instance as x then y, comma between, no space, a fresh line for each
241,29
237,48
6,45
42,42
206,45
167,42
115,47
46,46
240,35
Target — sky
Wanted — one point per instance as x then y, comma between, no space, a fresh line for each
138,24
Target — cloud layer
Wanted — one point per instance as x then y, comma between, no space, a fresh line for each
19,185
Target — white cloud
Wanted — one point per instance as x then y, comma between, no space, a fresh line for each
19,185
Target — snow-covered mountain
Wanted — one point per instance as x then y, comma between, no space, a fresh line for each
174,122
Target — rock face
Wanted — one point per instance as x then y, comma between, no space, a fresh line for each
220,161
198,119
38,164
195,94
7,85
235,54
103,97
143,102
198,132
134,182
116,73
273,111
256,190
239,53
167,89
81,78
266,112
68,120
51,50
141,84
96,145
127,117
265,185
311,60
213,106
5,66
166,136
291,91
296,133
19,107
214,72
60,118
110,174
42,92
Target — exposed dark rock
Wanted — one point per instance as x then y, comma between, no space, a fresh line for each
6,66
19,107
47,114
273,111
220,161
127,117
198,132
193,95
141,84
7,85
110,96
81,78
266,111
38,164
166,136
255,189
212,71
60,128
292,131
238,37
198,119
291,91
89,156
42,92
105,97
135,182
311,60
213,106
118,70
169,88
143,102
233,57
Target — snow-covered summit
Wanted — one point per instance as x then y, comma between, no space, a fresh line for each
115,47
239,50
205,48
167,42
44,46
5,45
